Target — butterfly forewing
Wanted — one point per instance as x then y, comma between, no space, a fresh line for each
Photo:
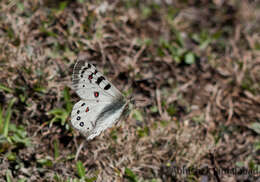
102,103
85,75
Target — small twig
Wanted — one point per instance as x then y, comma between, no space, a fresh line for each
158,100
230,110
212,160
79,150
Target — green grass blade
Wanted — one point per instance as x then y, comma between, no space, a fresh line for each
56,149
67,99
80,169
4,88
8,176
8,117
130,175
1,120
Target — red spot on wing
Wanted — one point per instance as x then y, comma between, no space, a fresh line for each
87,109
96,94
90,77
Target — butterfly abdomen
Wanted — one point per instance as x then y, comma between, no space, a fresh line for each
117,106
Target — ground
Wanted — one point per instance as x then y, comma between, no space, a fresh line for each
194,64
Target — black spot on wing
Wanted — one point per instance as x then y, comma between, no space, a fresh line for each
88,66
84,69
82,73
100,79
107,87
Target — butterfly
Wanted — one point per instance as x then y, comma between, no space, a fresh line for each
101,104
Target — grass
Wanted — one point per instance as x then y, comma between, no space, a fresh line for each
60,114
11,134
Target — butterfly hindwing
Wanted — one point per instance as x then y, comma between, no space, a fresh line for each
93,118
83,117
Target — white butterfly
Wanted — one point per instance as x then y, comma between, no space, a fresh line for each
102,103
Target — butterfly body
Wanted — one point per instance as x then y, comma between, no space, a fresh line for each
101,103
